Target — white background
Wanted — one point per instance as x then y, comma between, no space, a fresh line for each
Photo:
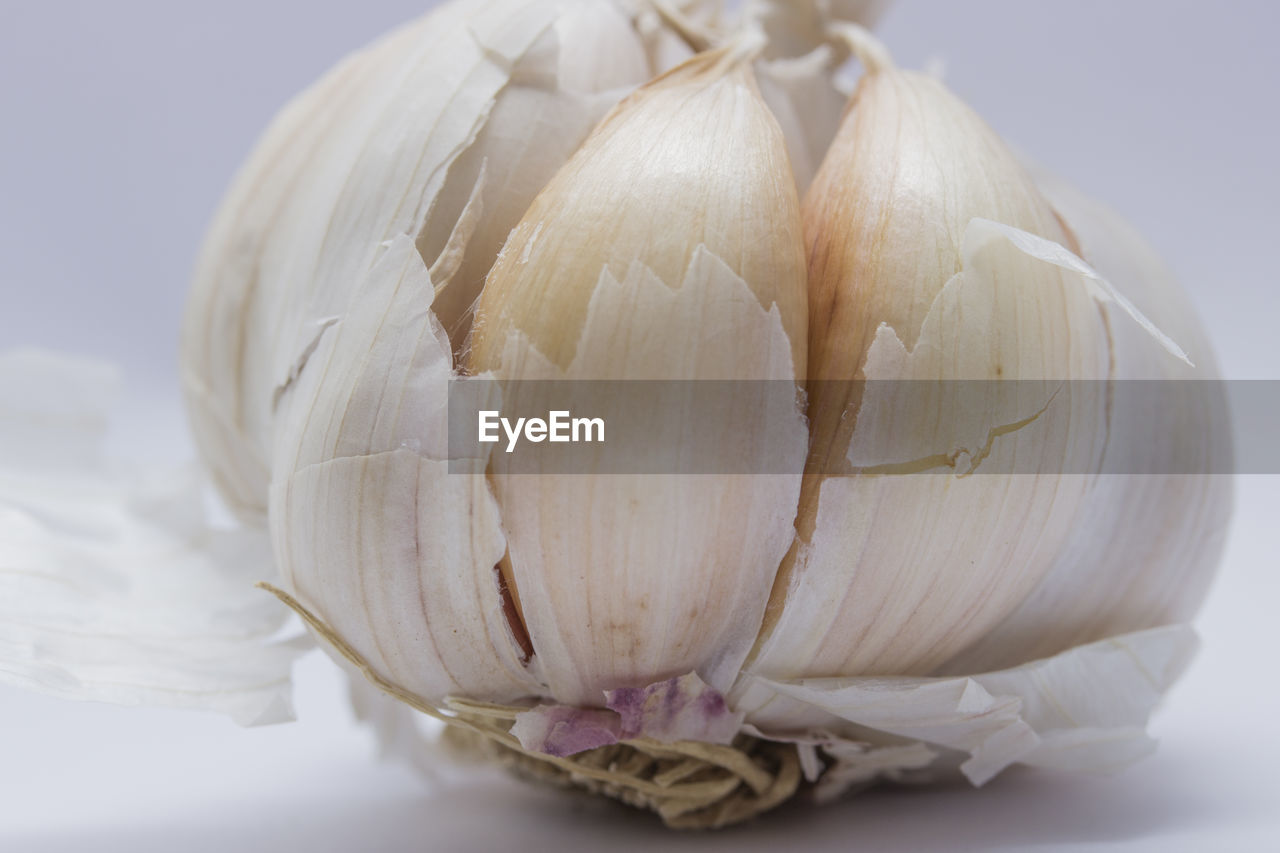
121,123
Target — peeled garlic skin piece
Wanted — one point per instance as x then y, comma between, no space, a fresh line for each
390,142
1152,540
893,574
668,248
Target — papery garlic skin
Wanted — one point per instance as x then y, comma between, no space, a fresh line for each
388,188
390,142
370,525
891,574
668,248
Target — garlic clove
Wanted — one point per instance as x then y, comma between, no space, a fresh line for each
1155,529
911,280
668,248
910,166
662,175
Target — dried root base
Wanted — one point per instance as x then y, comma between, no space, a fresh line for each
690,785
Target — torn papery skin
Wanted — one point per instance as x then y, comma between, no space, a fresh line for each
309,215
1084,709
114,587
363,501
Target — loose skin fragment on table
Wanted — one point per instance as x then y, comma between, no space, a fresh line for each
115,586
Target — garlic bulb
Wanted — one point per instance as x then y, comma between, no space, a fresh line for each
915,576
